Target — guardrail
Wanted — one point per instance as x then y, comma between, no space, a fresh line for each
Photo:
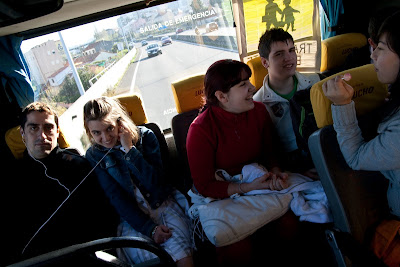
98,76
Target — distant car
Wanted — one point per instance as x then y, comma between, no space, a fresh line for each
144,42
212,26
131,45
153,50
165,40
179,30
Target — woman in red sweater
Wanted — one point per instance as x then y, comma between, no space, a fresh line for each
231,132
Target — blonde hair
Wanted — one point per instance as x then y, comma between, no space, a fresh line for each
102,107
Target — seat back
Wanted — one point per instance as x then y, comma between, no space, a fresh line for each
134,106
17,147
369,94
188,95
357,198
334,50
258,72
180,127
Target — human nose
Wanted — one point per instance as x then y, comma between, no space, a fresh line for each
288,56
105,136
41,134
374,54
252,88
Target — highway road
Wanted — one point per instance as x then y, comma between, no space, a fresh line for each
152,77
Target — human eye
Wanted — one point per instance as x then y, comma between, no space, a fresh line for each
110,128
49,127
95,133
32,127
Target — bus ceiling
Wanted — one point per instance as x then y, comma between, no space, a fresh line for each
39,17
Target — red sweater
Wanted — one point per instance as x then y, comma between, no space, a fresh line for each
218,139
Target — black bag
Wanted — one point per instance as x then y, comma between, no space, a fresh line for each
304,124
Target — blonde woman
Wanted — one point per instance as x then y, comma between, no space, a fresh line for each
131,174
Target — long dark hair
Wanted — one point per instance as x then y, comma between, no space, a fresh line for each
221,76
392,30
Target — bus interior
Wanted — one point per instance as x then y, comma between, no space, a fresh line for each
66,52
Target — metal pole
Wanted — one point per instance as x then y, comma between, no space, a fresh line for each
71,63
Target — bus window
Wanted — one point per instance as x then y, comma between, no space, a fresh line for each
299,17
114,56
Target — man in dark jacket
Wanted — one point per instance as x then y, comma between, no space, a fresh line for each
53,200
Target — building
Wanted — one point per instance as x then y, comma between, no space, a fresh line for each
44,60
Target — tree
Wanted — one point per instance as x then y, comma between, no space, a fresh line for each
69,92
198,6
85,75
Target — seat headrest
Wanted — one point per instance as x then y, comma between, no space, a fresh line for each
188,93
334,50
134,106
17,147
258,72
369,93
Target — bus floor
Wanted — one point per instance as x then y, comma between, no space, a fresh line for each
307,248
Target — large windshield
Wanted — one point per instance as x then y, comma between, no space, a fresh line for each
152,46
110,58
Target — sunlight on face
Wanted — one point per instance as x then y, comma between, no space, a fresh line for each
104,132
240,96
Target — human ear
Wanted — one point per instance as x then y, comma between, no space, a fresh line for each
264,62
221,96
372,43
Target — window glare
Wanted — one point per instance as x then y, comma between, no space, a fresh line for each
115,56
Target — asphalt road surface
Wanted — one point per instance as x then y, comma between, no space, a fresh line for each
152,77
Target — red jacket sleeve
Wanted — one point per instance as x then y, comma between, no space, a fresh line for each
200,147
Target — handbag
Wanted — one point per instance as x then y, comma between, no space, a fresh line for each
386,242
230,220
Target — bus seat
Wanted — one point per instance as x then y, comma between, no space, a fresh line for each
134,106
188,93
180,126
369,94
334,50
258,72
17,147
357,200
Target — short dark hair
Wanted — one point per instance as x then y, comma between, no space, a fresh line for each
269,37
37,106
221,76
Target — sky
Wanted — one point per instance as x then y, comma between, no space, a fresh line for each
74,36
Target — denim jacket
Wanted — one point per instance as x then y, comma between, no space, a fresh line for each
119,174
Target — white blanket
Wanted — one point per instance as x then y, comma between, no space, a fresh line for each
309,200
